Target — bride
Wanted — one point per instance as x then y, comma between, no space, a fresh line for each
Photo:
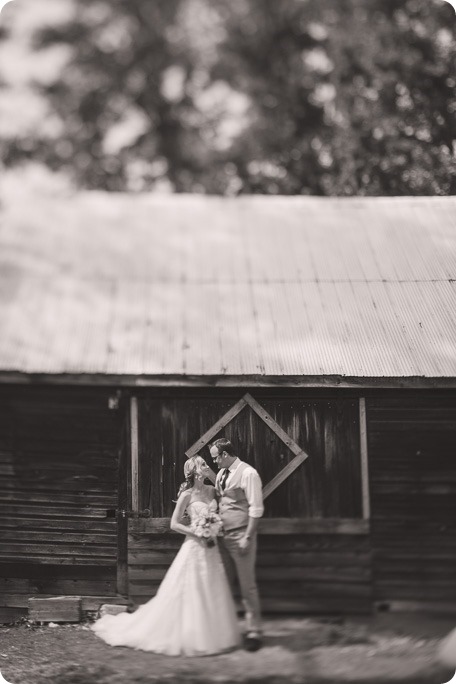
193,612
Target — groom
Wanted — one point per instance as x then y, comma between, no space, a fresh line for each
241,507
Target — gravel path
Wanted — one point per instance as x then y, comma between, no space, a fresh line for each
308,651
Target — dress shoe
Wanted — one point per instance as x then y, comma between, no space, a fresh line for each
252,642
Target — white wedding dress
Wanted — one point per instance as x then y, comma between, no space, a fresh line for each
193,612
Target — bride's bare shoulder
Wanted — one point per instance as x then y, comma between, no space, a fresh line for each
185,494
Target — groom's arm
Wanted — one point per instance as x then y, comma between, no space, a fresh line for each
254,493
252,527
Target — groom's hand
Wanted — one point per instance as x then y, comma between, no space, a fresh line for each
244,543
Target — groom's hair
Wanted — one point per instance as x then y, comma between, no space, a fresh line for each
224,445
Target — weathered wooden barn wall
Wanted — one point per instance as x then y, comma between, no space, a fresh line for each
314,552
59,457
412,462
63,453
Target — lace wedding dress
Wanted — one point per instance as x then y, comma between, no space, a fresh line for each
192,613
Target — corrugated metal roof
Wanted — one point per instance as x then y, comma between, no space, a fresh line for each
197,286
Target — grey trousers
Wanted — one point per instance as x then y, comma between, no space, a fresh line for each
243,565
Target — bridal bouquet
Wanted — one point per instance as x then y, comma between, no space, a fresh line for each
208,526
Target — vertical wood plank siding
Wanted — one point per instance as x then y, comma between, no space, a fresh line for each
297,573
412,461
326,485
58,495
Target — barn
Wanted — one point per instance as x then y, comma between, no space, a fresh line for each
319,334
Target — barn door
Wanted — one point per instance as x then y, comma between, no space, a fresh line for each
314,543
247,400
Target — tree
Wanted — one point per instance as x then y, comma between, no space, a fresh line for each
253,96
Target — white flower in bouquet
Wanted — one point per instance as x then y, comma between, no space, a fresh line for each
208,527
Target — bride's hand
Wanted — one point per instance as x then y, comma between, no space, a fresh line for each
194,536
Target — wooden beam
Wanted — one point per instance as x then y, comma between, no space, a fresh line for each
134,442
300,454
122,518
219,425
269,420
437,607
55,609
284,473
248,400
88,602
350,526
339,526
232,381
364,459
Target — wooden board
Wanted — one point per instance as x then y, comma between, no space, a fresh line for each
216,427
59,451
58,609
134,454
270,526
432,607
412,464
19,602
53,585
9,615
317,573
122,512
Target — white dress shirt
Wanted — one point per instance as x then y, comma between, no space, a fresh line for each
251,484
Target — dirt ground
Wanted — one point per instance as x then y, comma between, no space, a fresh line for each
381,649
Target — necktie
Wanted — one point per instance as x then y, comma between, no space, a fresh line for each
224,478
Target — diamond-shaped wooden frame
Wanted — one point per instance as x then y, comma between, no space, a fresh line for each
248,400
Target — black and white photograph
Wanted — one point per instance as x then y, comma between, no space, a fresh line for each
227,341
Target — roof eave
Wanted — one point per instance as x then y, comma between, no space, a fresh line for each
220,381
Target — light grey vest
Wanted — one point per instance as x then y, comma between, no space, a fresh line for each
233,505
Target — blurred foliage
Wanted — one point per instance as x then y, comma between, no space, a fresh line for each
323,97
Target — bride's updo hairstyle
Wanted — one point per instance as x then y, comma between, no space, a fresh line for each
193,466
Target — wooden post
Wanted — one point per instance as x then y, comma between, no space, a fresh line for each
364,458
134,455
122,512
